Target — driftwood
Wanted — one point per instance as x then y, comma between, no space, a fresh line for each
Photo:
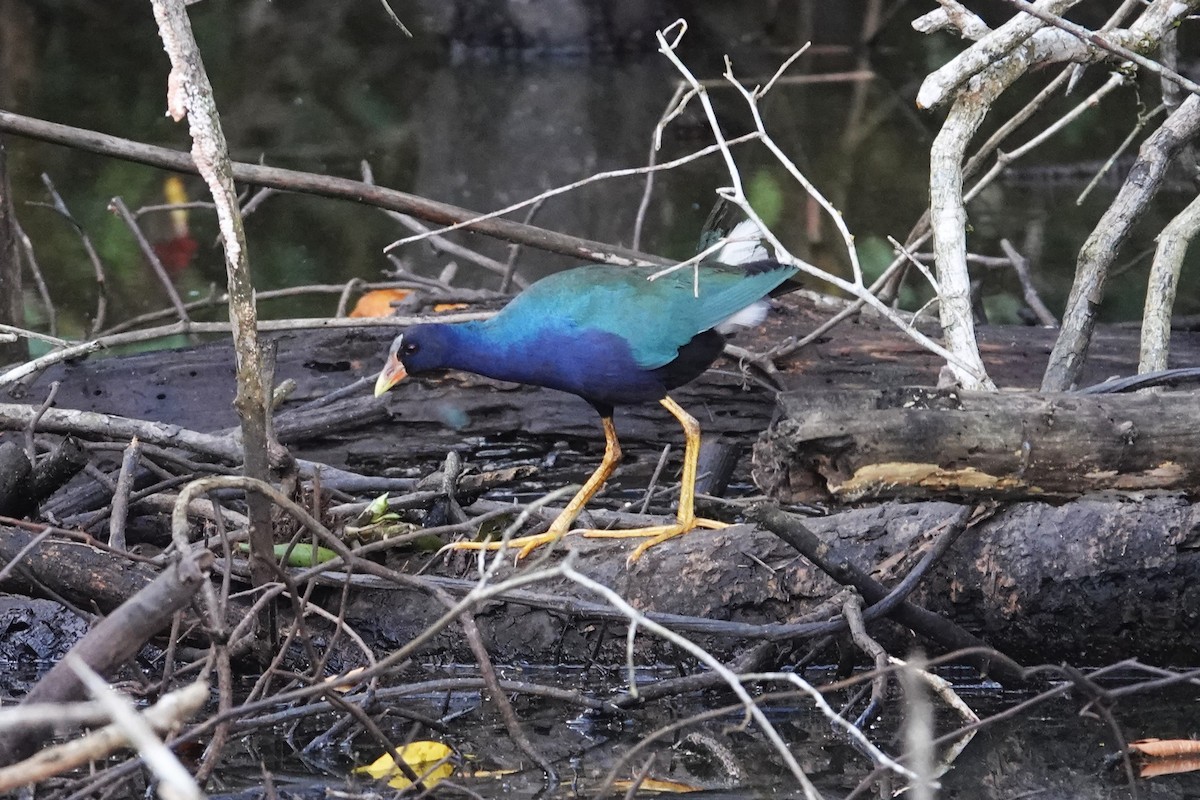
192,387
419,421
859,445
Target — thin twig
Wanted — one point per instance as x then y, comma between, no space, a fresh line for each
60,206
30,449
655,143
514,250
616,173
120,500
38,280
735,195
1141,123
1020,265
175,782
852,608
658,468
437,241
118,205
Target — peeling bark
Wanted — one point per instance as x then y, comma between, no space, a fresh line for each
857,445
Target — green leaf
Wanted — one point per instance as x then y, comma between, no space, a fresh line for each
298,555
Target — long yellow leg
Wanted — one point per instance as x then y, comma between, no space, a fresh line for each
562,523
685,518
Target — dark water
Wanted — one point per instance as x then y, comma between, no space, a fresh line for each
1052,750
324,87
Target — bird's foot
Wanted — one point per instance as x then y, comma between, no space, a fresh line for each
524,545
656,534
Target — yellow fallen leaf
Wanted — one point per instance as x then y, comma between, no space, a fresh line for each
655,785
493,773
429,760
440,307
347,681
431,776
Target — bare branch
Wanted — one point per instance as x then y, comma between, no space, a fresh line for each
936,88
1098,252
1173,245
175,782
163,715
1104,43
952,15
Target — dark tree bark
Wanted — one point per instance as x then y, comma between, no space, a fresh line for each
84,575
23,485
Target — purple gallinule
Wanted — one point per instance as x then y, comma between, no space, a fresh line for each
613,337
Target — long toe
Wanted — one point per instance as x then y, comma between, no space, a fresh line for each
676,528
654,535
670,533
630,533
524,545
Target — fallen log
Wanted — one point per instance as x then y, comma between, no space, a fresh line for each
856,445
420,420
1037,581
86,576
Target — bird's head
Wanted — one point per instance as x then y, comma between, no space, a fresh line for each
421,348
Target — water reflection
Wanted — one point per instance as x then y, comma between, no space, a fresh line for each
326,86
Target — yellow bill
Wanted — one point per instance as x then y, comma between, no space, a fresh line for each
393,372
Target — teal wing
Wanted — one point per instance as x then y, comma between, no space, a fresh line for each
655,317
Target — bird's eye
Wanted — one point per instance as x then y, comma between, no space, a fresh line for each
408,348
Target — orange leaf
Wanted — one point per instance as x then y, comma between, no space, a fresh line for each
378,303
1168,766
1165,748
440,307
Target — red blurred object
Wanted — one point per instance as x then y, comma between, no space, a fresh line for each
177,251
175,254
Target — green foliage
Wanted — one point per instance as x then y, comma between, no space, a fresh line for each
1003,309
766,196
874,255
